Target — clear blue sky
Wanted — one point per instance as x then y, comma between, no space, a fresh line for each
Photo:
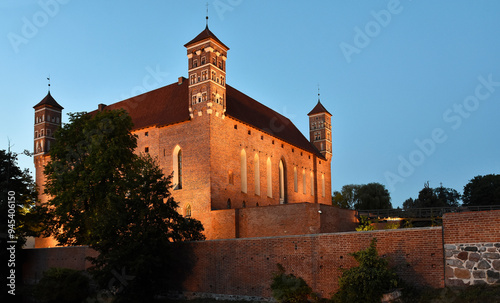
413,86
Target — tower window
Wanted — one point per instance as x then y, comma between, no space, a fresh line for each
235,126
146,149
214,61
188,211
249,132
146,134
195,63
203,60
177,167
230,177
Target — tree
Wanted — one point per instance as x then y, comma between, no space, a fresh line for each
373,196
482,190
434,197
365,196
119,203
17,185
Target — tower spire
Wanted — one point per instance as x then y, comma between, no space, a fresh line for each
318,92
48,79
207,15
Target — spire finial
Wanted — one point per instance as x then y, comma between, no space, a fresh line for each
48,79
207,15
318,92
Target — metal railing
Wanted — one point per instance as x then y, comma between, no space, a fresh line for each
427,212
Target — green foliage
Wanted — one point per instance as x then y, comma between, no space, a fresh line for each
366,196
287,288
118,203
434,197
392,225
13,179
62,285
368,281
365,224
482,190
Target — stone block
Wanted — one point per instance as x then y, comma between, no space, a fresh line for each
492,249
463,255
488,244
457,283
450,247
462,273
479,282
496,264
474,257
479,274
493,274
482,249
483,264
469,264
490,255
454,263
448,254
448,272
470,248
497,245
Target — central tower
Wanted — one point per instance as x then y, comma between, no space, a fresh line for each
207,74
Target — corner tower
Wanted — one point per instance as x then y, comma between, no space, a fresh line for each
47,121
320,130
207,74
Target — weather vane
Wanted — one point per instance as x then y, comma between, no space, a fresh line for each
48,79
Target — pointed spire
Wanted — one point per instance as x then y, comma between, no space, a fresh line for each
48,79
207,15
318,92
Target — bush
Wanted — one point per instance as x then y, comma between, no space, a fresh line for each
62,285
287,288
365,224
368,281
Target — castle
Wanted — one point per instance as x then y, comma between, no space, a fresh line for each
226,151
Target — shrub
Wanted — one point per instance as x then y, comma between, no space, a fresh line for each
364,224
287,288
368,281
62,285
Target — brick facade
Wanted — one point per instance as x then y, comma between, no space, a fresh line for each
229,151
244,267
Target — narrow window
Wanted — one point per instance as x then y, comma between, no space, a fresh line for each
146,134
228,203
295,180
282,182
323,185
203,60
230,178
269,179
256,174
304,186
188,211
312,184
243,171
177,167
146,149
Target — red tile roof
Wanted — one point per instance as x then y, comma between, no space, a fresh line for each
319,108
170,104
205,34
49,101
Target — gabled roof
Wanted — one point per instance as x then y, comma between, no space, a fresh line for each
163,106
49,101
205,34
318,109
170,104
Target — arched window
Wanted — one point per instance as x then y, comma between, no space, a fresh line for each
304,186
187,211
256,170
282,182
312,184
228,203
177,166
243,170
295,180
269,179
323,185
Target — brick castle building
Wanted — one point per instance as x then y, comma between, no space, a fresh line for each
234,161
